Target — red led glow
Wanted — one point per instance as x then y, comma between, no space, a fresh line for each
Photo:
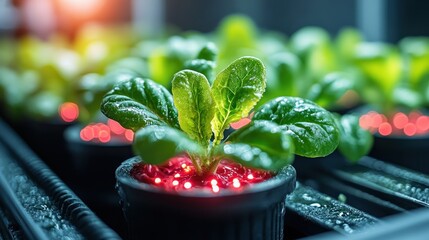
187,185
385,129
414,115
377,120
129,135
87,134
422,123
68,111
115,127
104,133
172,176
236,183
415,123
104,136
400,120
410,129
240,123
215,188
365,121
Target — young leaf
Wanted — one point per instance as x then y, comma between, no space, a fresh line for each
138,103
355,142
311,127
208,52
194,102
250,156
156,144
202,66
286,66
332,87
236,90
261,144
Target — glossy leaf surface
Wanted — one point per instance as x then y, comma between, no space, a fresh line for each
138,103
156,144
236,90
261,144
332,87
195,105
312,128
355,142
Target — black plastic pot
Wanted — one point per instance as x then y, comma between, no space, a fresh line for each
93,163
254,213
47,141
91,174
407,151
410,152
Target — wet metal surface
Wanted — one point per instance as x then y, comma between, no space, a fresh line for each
327,212
35,201
389,179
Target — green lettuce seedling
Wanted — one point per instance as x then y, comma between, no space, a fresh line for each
193,118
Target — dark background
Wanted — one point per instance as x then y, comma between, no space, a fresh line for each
380,20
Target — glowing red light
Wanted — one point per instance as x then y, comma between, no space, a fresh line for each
104,136
410,129
414,123
129,135
103,127
115,127
187,185
106,132
177,175
422,123
215,188
385,129
414,115
236,183
240,123
69,111
365,121
400,120
250,176
377,120
228,176
87,134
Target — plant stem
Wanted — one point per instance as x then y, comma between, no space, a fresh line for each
213,165
217,140
196,164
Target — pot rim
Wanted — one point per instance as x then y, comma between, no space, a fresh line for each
286,174
403,137
72,135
